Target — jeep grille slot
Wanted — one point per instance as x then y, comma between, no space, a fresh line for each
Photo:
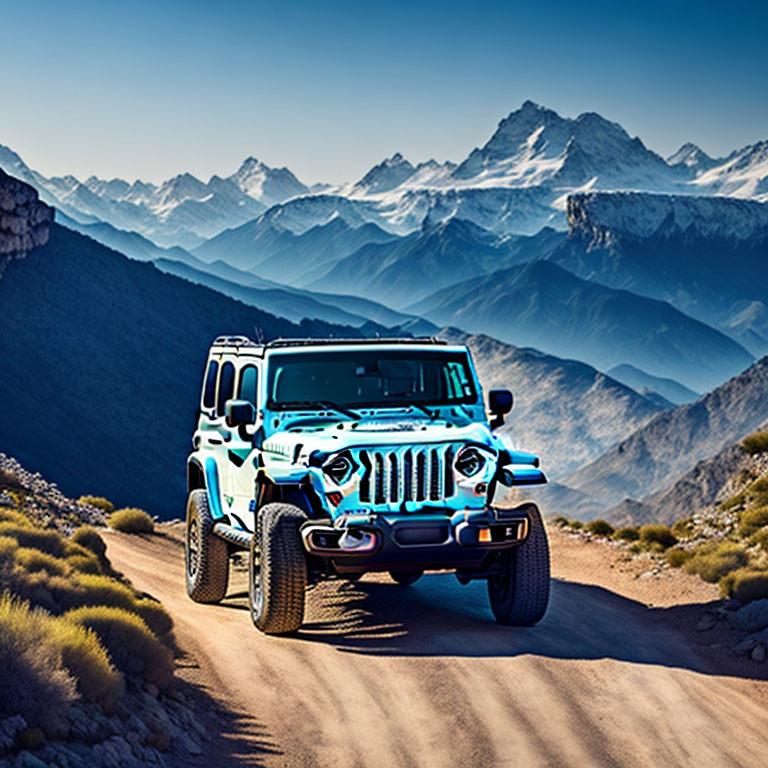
421,473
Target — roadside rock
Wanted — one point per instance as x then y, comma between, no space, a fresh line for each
751,618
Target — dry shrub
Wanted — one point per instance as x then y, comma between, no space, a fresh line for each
99,502
683,528
131,644
755,443
657,537
628,533
8,546
752,521
89,538
35,683
600,527
36,538
131,520
12,516
561,521
714,560
678,557
755,494
745,585
577,525
34,560
761,538
88,662
155,616
83,563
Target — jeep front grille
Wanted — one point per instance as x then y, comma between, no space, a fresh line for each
415,474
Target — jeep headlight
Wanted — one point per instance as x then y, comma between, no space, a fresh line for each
339,468
470,461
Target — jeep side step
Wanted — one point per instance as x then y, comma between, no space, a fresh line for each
232,535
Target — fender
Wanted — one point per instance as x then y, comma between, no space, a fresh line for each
212,486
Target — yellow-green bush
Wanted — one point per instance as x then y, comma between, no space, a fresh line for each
561,521
155,616
89,538
8,515
761,538
99,502
745,585
713,560
627,533
31,559
35,683
88,662
37,538
683,528
755,494
577,525
657,536
131,520
755,443
677,557
83,563
752,520
8,546
131,644
600,527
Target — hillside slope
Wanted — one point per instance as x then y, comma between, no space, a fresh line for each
542,305
565,411
102,363
674,441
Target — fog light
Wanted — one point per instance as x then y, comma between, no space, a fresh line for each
484,536
481,489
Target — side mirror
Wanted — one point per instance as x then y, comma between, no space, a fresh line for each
239,413
500,403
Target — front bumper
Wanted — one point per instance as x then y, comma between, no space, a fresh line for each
370,542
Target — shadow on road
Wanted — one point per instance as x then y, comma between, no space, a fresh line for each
439,617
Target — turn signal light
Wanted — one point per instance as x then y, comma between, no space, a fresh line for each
334,497
484,535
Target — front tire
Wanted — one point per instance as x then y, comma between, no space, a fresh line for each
206,555
519,586
277,570
404,578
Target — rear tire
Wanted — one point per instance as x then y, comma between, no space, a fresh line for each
519,588
404,578
207,556
277,570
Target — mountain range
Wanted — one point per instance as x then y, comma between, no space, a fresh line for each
517,182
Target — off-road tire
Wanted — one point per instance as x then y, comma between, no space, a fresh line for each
206,555
518,587
277,570
405,578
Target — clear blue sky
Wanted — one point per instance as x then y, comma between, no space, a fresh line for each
150,89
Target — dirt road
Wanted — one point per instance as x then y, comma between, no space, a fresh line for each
383,675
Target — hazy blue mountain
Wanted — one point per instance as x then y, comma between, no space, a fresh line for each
542,305
565,411
705,255
402,272
130,244
670,390
673,442
102,363
272,251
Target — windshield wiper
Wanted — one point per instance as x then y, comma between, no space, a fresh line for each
317,404
404,404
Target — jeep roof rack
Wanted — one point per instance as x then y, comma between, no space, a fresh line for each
234,341
330,342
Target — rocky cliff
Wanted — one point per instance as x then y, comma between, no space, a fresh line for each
25,222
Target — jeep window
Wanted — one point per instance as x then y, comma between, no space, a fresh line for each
369,378
249,381
226,387
209,390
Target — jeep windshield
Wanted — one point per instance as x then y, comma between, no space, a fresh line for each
368,378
